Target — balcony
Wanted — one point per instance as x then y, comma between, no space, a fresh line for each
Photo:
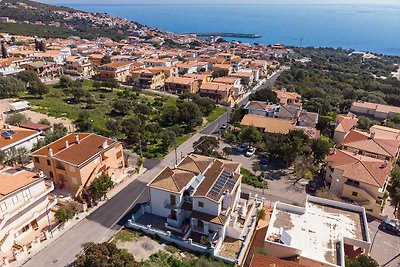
170,206
61,170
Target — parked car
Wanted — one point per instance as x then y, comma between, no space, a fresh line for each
242,148
224,127
391,226
264,160
312,186
250,151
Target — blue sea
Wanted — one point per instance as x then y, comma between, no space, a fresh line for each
372,28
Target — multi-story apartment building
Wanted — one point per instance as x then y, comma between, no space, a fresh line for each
180,85
220,93
44,69
150,78
78,66
377,111
24,204
361,179
75,160
114,70
367,144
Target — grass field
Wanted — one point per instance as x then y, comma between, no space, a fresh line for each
215,114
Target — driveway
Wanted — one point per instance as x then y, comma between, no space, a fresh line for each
280,186
385,246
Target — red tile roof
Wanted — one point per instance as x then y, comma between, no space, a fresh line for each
259,260
360,168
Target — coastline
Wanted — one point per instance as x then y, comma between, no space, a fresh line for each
277,23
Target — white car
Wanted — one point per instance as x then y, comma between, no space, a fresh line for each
250,152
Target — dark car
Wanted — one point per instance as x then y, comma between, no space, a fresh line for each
312,186
264,160
391,226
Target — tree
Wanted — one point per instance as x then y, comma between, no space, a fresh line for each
27,76
100,186
361,261
105,60
169,115
168,138
190,114
83,122
219,73
4,52
17,156
44,121
78,93
10,87
65,82
261,214
104,254
394,188
38,88
111,83
63,215
266,95
122,106
97,85
206,146
250,135
227,151
17,119
132,127
321,148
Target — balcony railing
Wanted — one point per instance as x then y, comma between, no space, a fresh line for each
353,184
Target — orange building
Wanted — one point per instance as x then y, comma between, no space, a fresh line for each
114,70
75,160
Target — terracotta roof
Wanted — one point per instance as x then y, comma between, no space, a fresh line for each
221,219
215,86
345,123
116,64
12,179
383,132
227,80
179,80
172,180
271,125
179,178
20,134
259,260
76,153
377,107
360,168
286,95
260,105
363,141
35,126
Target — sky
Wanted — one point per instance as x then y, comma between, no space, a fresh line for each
59,2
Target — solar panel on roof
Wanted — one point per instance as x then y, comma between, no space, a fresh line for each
11,132
223,179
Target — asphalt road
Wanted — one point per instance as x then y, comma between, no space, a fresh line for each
104,222
215,125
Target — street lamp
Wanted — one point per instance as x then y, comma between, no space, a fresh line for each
48,217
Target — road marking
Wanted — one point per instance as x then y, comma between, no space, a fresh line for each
390,245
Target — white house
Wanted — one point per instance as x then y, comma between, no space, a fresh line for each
13,137
24,203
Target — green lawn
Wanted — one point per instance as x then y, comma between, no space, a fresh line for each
215,114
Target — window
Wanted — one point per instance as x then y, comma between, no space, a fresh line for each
201,204
27,194
354,194
172,199
3,206
15,199
51,174
74,180
48,162
36,160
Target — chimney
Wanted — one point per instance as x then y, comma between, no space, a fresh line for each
50,152
372,135
77,139
385,163
105,144
66,144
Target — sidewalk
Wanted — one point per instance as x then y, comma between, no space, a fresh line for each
62,229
